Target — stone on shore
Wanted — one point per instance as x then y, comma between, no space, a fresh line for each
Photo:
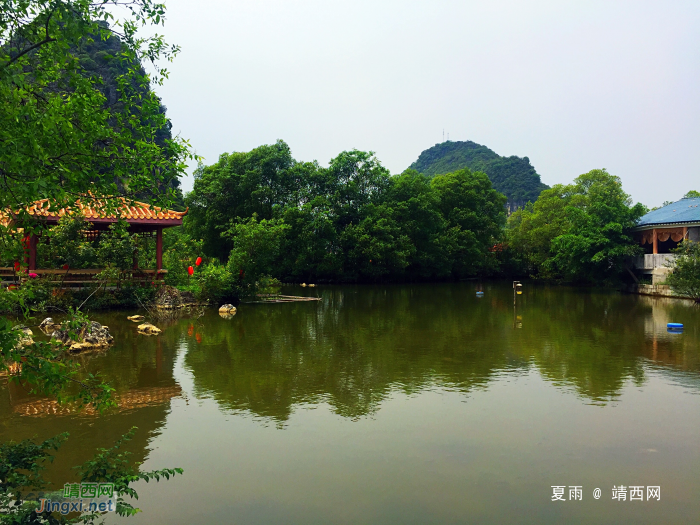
48,326
26,337
227,309
92,335
148,329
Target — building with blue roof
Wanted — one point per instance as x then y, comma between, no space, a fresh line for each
662,230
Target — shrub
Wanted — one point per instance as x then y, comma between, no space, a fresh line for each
217,285
685,279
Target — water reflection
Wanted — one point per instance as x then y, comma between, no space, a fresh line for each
359,344
141,371
363,351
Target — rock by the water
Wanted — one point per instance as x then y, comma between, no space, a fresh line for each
170,298
97,335
303,284
92,335
80,347
148,329
227,309
136,318
26,337
312,285
48,326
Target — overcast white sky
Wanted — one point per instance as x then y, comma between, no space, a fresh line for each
571,85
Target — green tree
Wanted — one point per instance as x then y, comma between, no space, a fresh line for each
117,247
692,194
415,208
475,216
62,141
581,232
240,185
531,230
685,279
256,247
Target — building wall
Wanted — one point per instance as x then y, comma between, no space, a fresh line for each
694,234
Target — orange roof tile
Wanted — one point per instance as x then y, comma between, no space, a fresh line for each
133,211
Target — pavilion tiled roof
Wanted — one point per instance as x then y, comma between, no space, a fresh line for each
131,211
680,212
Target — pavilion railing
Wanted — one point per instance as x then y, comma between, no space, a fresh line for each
79,278
650,261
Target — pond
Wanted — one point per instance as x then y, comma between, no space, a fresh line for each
401,404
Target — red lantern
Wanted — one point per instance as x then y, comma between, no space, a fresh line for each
198,261
16,266
65,266
190,270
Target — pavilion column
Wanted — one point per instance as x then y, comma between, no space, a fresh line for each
656,242
30,251
159,249
685,233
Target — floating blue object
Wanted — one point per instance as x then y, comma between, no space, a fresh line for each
675,326
482,293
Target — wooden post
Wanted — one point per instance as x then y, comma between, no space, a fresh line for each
685,233
159,250
30,252
656,242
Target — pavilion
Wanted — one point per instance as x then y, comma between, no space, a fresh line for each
662,230
141,218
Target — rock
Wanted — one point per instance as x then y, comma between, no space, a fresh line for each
61,336
92,335
97,335
148,329
303,284
26,337
312,286
227,309
136,318
80,347
48,326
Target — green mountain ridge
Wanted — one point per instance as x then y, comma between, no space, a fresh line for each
513,176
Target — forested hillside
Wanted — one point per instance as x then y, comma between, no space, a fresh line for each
513,176
105,59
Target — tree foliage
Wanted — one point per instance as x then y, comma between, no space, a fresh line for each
580,232
351,221
64,137
69,127
685,278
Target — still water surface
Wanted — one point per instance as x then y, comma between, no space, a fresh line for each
401,404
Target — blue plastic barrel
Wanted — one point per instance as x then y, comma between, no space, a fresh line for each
675,326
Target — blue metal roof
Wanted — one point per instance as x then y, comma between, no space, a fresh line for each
684,210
